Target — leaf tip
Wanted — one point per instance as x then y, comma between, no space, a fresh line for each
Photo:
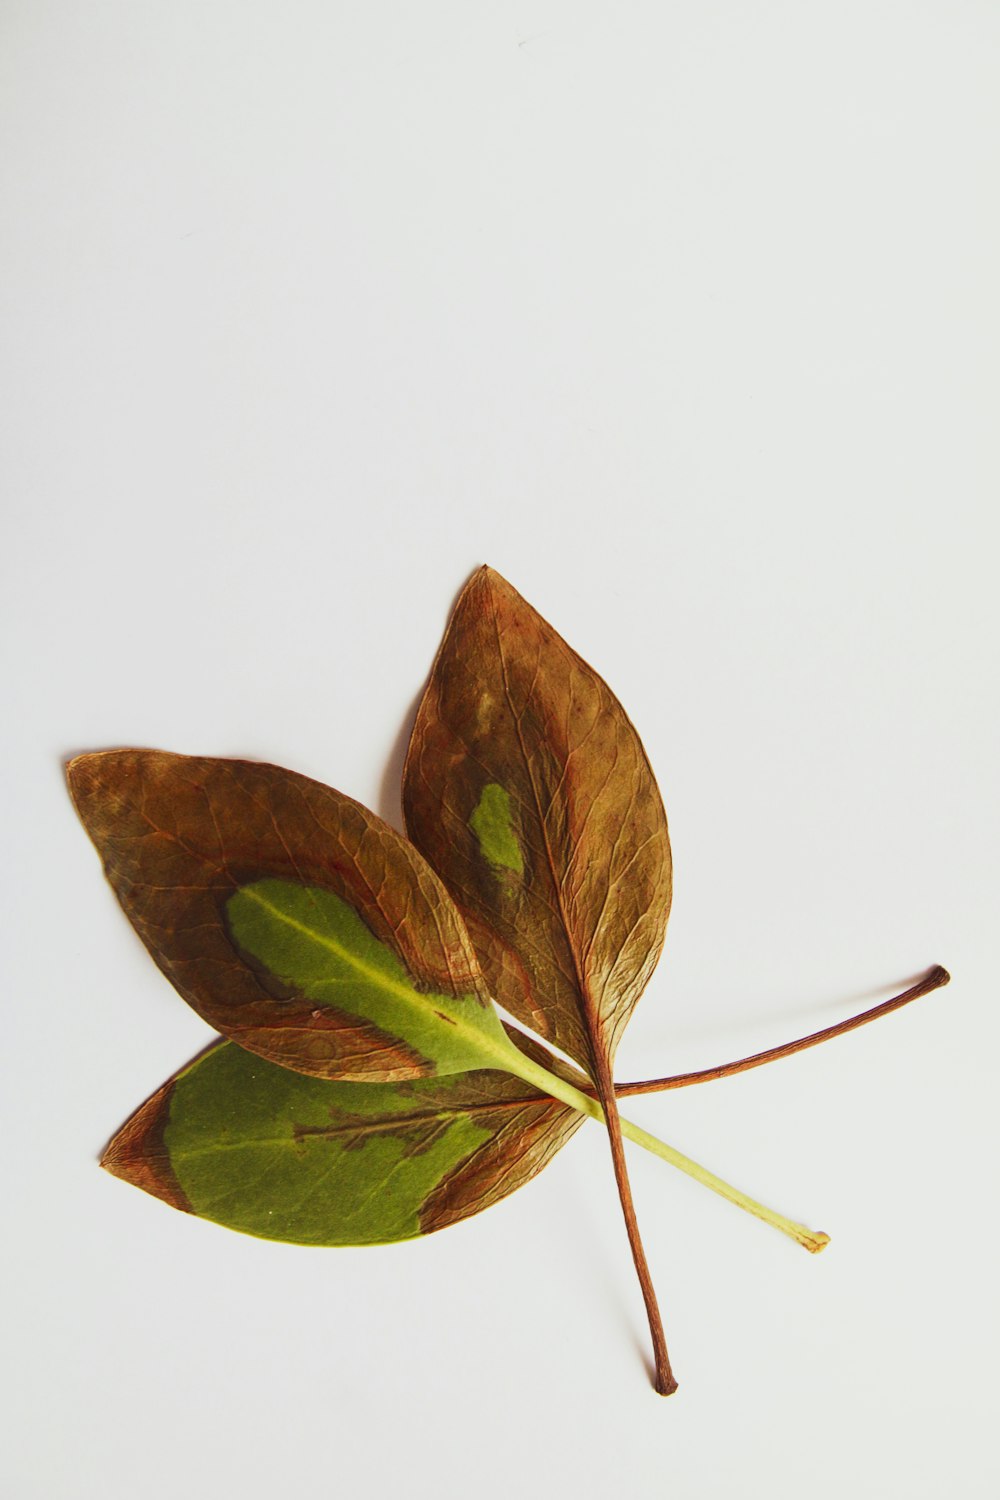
77,771
84,777
487,580
494,580
138,1155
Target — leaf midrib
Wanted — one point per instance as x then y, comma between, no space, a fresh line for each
591,1024
373,1127
380,980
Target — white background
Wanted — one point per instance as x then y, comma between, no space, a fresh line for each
684,317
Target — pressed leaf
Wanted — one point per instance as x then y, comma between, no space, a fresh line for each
293,919
305,929
258,1148
528,790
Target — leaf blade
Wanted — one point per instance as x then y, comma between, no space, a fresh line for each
529,791
189,843
257,1148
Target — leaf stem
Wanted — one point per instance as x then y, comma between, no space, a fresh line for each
664,1381
813,1240
541,1078
932,980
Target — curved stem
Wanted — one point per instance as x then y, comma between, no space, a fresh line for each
566,1093
812,1240
664,1381
519,1063
932,980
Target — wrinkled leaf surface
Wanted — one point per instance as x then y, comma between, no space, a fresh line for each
293,919
527,788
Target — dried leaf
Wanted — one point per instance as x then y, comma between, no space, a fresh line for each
258,1148
528,790
380,1096
294,920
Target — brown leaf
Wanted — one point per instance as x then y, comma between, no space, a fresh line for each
180,836
528,789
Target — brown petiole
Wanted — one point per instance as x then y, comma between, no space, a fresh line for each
934,979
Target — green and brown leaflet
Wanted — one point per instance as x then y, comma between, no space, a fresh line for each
367,1089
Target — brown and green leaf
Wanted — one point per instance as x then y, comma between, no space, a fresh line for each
374,1093
237,1140
258,1148
293,919
528,790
